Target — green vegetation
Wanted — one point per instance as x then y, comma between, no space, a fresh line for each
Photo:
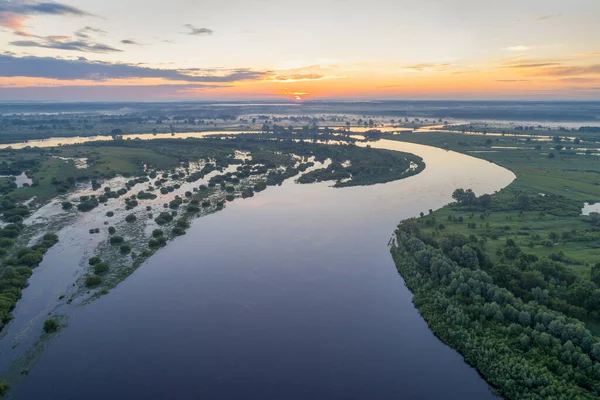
51,325
16,267
100,268
512,280
574,172
93,280
4,388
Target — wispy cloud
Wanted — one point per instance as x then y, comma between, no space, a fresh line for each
130,42
518,48
580,80
591,54
66,43
425,67
533,65
570,70
303,77
549,16
83,69
86,32
197,31
13,14
106,92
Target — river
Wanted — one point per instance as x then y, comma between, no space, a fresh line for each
291,294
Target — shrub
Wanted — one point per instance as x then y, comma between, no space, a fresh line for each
130,218
93,280
163,218
100,268
125,248
50,237
95,260
4,387
6,242
116,240
110,214
111,230
178,231
157,233
87,205
193,209
51,325
67,205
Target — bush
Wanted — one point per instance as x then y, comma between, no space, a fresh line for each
67,205
4,387
93,280
111,230
6,242
157,233
163,218
95,260
110,214
130,218
87,205
51,325
125,248
100,268
178,231
116,240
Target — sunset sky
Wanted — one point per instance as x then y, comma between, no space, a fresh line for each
313,49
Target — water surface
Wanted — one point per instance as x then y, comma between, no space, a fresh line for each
291,294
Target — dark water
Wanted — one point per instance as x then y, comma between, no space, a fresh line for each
289,295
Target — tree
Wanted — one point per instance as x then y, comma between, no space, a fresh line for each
524,201
595,274
51,325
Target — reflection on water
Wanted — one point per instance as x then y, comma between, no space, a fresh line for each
291,294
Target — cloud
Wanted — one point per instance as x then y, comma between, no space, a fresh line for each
130,42
101,92
571,70
591,54
85,33
518,48
303,77
13,14
428,67
65,43
83,69
545,17
198,31
580,80
20,7
533,65
513,80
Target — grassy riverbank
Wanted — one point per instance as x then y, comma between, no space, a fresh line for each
512,280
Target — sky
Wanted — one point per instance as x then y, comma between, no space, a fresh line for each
150,50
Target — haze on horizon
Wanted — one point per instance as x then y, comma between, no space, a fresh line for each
278,49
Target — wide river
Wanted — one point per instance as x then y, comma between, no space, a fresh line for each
291,294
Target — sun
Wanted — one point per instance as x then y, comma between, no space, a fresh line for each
298,98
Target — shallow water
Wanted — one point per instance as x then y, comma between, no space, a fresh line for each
291,294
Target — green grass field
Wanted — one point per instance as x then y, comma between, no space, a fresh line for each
570,174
